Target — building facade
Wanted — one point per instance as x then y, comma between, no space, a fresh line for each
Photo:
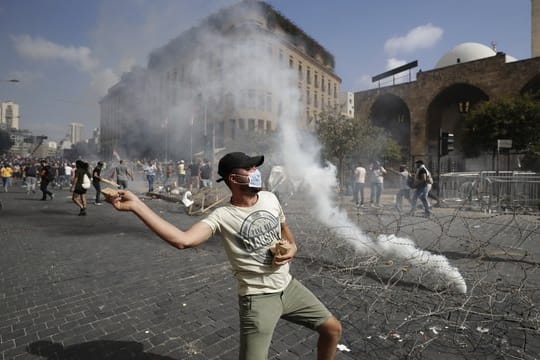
9,115
75,132
346,103
415,113
45,149
23,142
535,28
195,80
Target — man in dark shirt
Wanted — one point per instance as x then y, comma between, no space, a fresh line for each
206,174
96,181
194,173
46,174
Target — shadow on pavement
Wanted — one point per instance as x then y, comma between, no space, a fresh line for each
93,350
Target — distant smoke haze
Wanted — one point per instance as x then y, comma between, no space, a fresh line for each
247,65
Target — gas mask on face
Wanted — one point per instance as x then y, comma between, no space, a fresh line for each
254,179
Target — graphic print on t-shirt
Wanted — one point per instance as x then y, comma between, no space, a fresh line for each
259,230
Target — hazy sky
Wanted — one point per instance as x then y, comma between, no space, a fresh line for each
66,53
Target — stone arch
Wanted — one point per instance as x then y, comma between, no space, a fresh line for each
446,113
392,113
532,86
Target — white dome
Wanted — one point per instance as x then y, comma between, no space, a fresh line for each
464,53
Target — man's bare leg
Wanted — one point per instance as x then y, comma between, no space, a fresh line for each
329,335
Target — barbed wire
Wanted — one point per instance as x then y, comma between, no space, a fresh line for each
395,310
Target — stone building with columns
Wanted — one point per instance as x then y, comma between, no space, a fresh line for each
415,113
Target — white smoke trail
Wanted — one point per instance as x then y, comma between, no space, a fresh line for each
301,161
245,68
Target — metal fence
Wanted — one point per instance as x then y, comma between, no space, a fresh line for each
491,191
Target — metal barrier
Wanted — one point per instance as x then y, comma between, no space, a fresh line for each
490,190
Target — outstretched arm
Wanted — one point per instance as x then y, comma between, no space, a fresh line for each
195,235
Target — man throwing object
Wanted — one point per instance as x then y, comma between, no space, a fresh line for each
250,226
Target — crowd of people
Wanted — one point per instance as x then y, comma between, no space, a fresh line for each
195,175
412,186
50,175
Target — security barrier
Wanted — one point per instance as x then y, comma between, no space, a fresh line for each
491,191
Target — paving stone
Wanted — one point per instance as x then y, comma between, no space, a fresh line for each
109,289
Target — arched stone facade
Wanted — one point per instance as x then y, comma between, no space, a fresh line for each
438,99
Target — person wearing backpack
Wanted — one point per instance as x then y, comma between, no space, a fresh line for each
79,185
423,180
46,175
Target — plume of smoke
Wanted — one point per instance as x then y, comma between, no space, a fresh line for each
236,68
301,161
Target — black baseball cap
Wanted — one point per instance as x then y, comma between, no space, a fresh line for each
237,160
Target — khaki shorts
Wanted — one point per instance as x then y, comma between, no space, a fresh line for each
259,315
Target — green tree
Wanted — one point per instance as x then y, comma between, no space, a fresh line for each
343,138
515,118
5,142
376,143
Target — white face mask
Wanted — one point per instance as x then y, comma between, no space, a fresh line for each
254,179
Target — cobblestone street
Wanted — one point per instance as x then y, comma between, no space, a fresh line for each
104,287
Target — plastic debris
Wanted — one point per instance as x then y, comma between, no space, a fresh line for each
342,347
482,330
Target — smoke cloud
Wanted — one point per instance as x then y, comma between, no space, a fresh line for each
41,49
244,71
302,162
300,154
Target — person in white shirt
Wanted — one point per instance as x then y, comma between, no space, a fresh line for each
150,171
377,181
423,182
359,182
68,173
250,226
404,189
